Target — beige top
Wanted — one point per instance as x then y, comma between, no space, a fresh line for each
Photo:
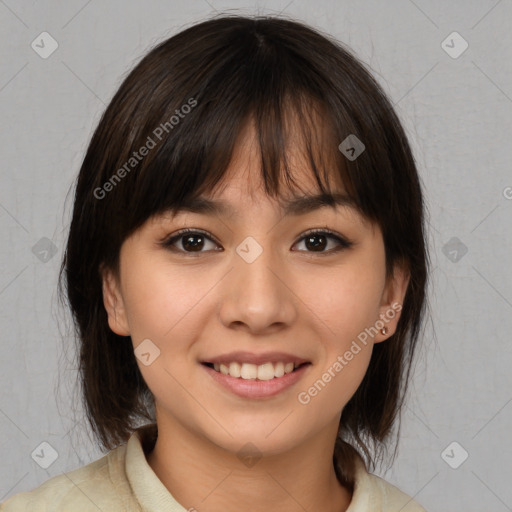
123,481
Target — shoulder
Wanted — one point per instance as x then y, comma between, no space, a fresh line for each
372,492
393,498
96,486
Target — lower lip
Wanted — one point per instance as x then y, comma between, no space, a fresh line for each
253,388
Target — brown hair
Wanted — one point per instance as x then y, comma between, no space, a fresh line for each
230,70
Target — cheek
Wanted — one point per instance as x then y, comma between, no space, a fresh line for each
161,305
345,301
328,391
343,314
158,299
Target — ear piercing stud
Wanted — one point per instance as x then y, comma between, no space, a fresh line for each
384,330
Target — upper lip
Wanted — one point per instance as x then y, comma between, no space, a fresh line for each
257,359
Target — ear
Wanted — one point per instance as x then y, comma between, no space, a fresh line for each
391,303
113,302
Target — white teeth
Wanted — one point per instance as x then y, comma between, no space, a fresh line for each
266,371
247,371
235,369
279,369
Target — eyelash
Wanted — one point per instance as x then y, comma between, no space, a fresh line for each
343,242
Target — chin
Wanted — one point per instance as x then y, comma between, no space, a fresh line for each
247,440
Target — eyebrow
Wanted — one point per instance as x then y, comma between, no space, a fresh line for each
295,206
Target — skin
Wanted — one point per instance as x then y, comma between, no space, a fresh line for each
291,299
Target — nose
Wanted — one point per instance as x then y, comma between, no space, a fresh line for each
258,294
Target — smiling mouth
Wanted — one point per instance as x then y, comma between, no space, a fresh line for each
262,372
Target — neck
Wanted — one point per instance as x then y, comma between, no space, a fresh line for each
203,476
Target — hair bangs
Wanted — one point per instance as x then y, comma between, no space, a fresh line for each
293,131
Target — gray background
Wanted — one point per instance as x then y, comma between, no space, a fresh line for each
457,114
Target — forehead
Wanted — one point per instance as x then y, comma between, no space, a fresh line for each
245,177
291,206
243,185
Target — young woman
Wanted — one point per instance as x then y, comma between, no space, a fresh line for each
246,268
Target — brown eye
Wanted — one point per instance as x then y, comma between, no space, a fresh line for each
192,242
189,241
318,241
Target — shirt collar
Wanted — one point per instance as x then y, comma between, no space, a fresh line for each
149,491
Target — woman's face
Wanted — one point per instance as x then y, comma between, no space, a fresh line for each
258,291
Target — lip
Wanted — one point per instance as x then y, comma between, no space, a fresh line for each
257,359
254,388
